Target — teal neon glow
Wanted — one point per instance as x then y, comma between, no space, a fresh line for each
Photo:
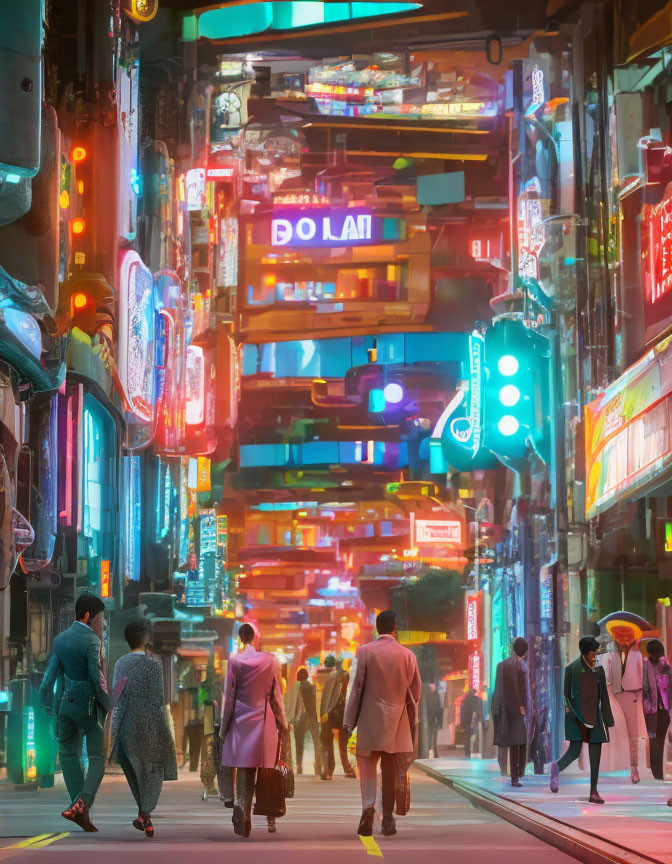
376,401
230,22
509,395
508,425
508,365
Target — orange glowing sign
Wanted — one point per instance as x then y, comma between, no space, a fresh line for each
78,154
78,225
104,578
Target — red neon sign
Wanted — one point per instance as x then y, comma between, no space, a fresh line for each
660,250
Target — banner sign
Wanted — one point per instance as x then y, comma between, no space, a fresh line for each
326,227
628,440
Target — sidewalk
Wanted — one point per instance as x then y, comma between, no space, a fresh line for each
634,818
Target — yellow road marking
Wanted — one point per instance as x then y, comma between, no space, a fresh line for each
372,848
39,844
29,842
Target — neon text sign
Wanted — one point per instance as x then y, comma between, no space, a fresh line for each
324,227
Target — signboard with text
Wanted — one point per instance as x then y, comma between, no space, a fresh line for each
657,268
333,227
628,432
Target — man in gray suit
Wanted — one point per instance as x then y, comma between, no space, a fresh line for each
75,691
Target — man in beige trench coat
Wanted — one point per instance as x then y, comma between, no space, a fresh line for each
383,706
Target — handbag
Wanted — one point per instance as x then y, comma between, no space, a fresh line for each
270,789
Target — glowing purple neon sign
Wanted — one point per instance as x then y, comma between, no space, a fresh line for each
325,227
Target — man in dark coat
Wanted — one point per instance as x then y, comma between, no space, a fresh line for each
511,708
471,715
588,714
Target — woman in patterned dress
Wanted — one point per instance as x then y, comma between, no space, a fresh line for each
142,740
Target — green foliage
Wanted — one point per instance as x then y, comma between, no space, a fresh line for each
436,601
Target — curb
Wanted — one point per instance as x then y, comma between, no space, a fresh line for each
582,845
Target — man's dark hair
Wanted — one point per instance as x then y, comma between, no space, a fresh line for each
88,603
246,633
520,646
137,632
655,647
302,674
386,622
329,662
588,643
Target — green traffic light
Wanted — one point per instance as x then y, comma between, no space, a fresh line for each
508,425
508,365
509,395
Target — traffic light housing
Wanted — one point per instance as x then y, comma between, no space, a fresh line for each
517,392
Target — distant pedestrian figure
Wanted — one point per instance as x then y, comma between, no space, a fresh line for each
332,710
657,699
75,691
471,715
383,705
588,714
253,717
305,719
142,742
512,708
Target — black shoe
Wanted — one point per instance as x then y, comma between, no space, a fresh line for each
139,824
389,826
595,797
241,825
515,782
149,828
366,822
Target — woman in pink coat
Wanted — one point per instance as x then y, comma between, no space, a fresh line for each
252,716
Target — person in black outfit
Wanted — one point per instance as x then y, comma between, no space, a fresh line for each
471,714
305,718
588,715
511,708
434,709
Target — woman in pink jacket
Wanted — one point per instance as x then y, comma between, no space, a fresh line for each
252,716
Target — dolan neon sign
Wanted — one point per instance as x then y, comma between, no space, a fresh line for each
325,227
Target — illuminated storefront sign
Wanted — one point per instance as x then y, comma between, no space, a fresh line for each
531,231
442,110
628,432
220,173
476,671
227,253
195,188
657,267
104,578
442,532
141,10
459,430
330,227
137,335
472,617
195,408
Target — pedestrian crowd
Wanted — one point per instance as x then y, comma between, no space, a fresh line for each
248,752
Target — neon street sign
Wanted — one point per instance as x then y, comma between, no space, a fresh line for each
443,531
472,617
324,227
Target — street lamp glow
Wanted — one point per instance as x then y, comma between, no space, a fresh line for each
508,425
509,395
393,393
507,365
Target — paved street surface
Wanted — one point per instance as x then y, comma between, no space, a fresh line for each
633,816
320,827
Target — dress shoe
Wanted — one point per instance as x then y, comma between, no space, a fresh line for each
366,822
595,797
79,814
389,826
515,782
555,777
634,774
